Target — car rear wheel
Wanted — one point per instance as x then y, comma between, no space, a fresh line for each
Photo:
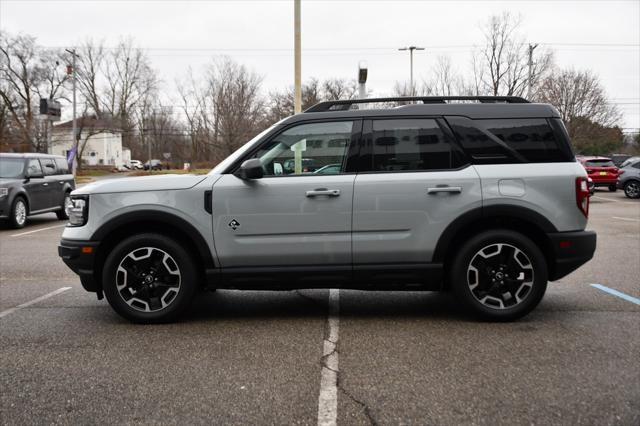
632,189
19,212
499,275
63,213
612,188
149,278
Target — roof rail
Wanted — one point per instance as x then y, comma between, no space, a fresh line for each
342,105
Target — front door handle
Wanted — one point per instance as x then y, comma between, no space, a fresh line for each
449,189
45,184
323,191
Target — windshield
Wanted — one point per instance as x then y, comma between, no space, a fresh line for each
11,167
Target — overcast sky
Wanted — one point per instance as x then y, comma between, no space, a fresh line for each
603,36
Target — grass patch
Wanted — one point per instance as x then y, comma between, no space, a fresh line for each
93,172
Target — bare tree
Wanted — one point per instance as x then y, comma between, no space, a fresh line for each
115,82
27,73
500,67
237,105
444,81
581,101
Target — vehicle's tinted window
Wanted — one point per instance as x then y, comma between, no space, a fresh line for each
412,145
599,163
48,166
510,140
33,168
636,165
63,167
307,149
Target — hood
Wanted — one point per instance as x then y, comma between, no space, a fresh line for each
9,181
141,183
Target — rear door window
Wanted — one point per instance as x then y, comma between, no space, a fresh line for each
48,166
415,144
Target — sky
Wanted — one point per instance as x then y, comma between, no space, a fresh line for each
601,36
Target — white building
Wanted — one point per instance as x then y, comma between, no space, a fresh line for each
103,146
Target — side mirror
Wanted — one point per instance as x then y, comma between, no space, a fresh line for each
250,169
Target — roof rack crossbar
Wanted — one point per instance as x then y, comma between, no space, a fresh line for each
342,105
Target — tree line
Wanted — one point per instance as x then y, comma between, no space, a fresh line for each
218,108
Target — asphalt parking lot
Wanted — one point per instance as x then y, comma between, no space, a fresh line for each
257,357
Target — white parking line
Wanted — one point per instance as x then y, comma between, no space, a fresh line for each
617,293
613,201
31,302
328,399
626,218
38,230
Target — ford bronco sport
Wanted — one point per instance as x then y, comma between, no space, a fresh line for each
478,195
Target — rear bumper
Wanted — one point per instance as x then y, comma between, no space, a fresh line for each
75,254
570,250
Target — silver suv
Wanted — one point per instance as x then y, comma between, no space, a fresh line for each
481,196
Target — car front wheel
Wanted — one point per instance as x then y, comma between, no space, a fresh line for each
499,275
149,278
632,189
19,212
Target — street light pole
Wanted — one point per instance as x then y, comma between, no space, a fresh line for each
530,80
297,91
74,130
411,49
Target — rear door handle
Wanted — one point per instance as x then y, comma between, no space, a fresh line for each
45,184
449,189
323,191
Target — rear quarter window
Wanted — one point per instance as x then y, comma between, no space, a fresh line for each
499,141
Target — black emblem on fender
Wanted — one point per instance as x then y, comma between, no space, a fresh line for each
234,224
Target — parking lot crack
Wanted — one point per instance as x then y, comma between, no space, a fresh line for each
363,405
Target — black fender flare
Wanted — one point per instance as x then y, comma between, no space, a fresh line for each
160,217
487,212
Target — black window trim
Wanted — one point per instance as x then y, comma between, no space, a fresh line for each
352,152
366,154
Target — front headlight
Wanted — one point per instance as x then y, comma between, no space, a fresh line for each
78,211
4,192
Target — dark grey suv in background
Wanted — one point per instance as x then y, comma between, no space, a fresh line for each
32,184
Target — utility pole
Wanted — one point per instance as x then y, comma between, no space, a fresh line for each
530,85
297,91
362,80
74,55
411,49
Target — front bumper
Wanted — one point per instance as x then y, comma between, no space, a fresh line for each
79,256
570,250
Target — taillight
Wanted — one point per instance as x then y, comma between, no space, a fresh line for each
620,172
582,195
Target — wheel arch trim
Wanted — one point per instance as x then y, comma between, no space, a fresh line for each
158,217
447,238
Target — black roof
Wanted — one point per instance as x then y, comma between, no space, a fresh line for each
483,108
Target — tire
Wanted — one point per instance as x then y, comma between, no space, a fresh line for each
62,213
19,213
612,188
632,189
149,278
486,253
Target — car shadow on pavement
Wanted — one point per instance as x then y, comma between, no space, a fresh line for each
47,219
229,304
